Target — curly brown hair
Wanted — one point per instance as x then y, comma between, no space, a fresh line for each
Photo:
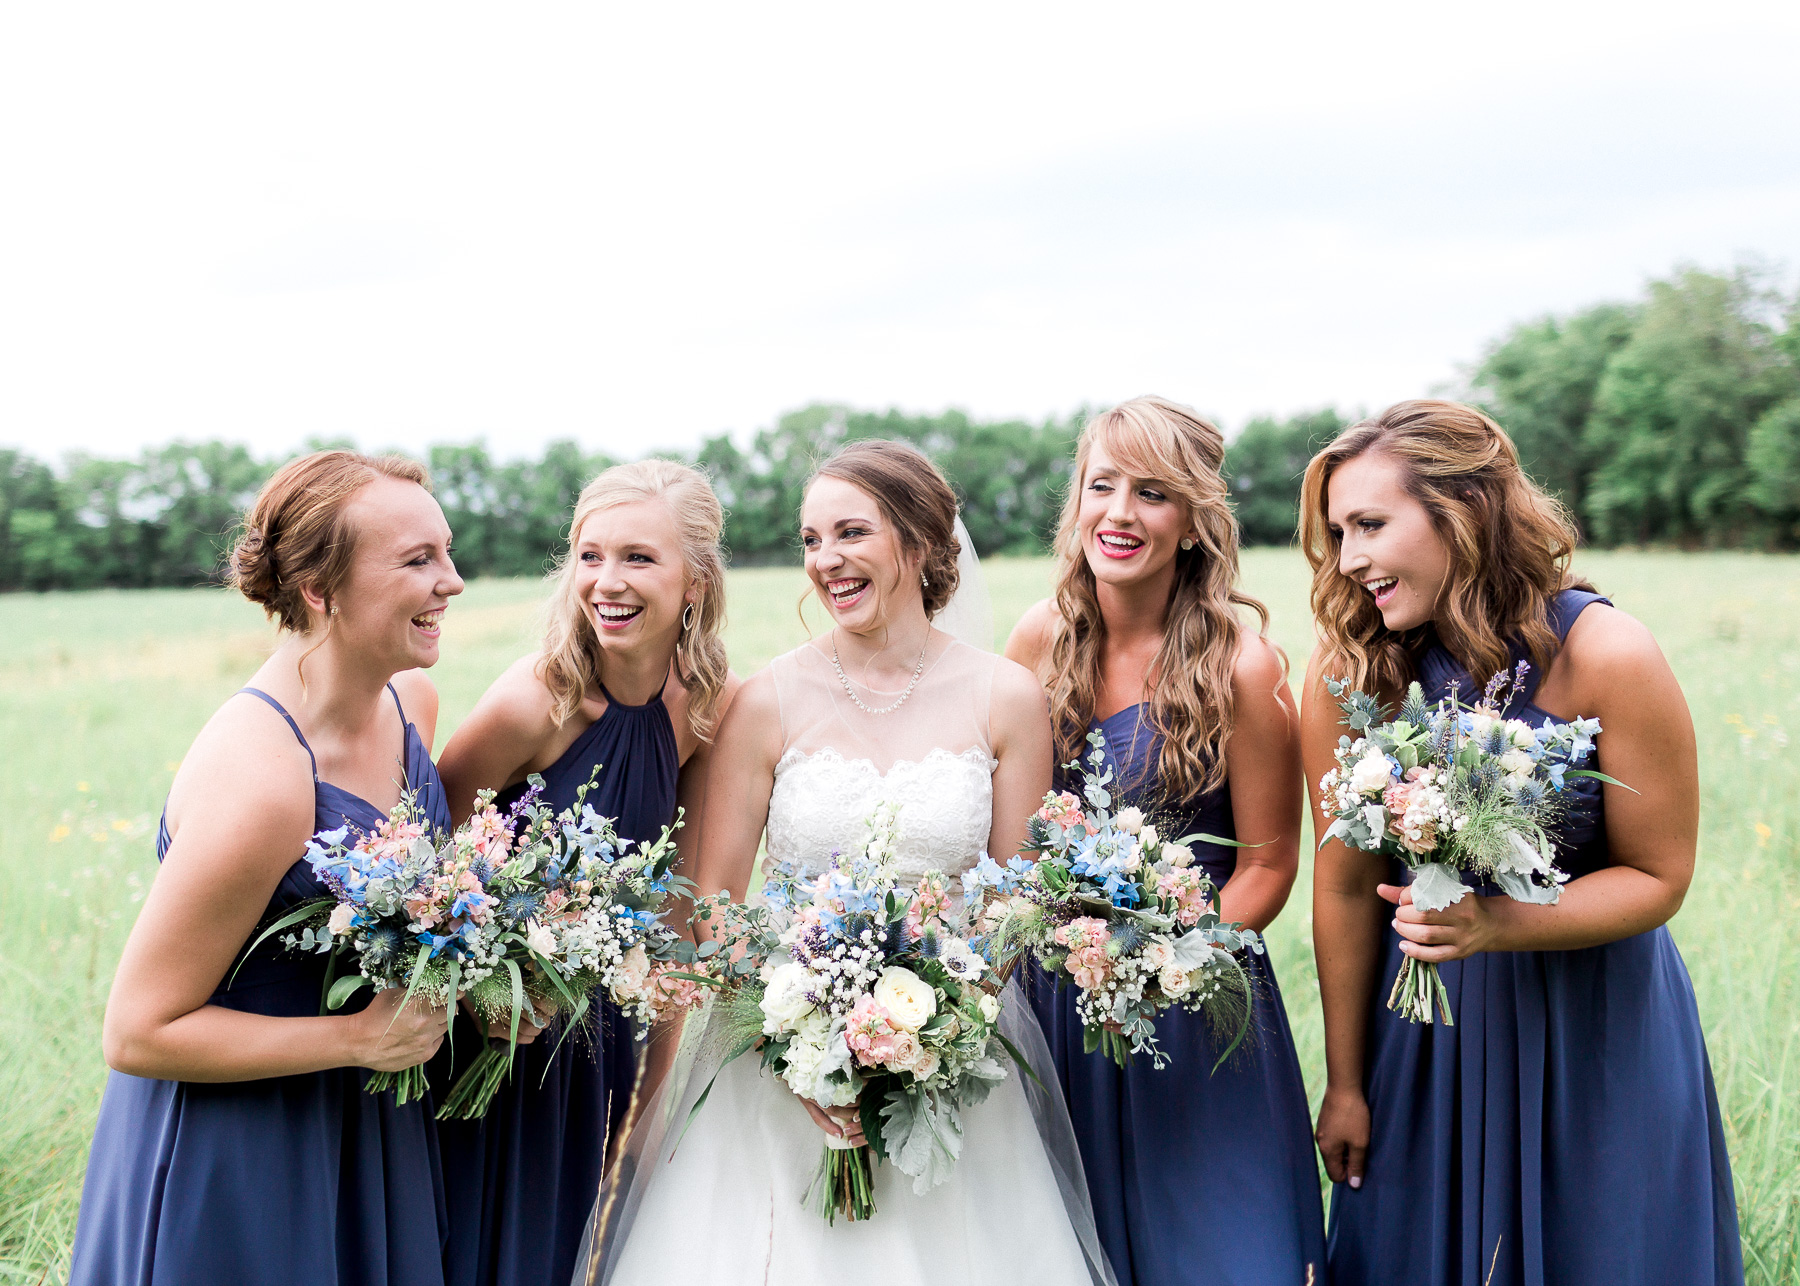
1190,702
1509,546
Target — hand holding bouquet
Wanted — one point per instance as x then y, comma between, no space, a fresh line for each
881,1001
1452,791
1122,913
506,911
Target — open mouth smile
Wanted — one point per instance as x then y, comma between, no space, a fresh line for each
846,592
1118,544
616,616
1383,589
429,623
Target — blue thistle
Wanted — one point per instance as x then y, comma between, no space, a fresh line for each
519,905
384,945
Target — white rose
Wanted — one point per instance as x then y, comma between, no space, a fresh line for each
634,970
1129,820
1516,763
1372,774
906,1053
1175,981
927,1065
1159,955
1521,734
784,1002
541,940
1178,855
906,996
1147,837
341,916
989,1006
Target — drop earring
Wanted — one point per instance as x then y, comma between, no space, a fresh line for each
687,616
923,583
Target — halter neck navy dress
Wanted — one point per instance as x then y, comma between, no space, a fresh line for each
1194,1177
523,1178
1565,1130
269,1182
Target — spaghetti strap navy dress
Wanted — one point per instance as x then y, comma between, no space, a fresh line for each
1566,1129
1195,1177
523,1178
269,1182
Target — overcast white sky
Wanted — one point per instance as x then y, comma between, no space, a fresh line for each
639,225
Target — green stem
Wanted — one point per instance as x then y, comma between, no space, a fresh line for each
408,1085
476,1087
849,1187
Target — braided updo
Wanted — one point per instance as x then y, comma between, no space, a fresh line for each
296,535
916,501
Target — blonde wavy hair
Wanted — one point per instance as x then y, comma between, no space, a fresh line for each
1509,546
1190,702
571,664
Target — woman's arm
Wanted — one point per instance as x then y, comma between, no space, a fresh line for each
1347,919
501,740
739,780
241,812
1019,720
690,798
1029,642
1263,762
1611,669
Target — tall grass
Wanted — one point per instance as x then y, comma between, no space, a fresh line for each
100,695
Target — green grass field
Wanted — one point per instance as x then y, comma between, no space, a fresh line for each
101,693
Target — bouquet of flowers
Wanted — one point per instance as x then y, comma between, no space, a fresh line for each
1454,790
1122,913
862,991
506,911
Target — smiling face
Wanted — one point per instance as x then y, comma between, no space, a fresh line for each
1387,542
1131,528
854,558
630,576
391,602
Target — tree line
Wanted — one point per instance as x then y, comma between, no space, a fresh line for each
1671,419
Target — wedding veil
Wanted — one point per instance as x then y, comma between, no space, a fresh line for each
969,615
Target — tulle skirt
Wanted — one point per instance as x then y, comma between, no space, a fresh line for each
728,1202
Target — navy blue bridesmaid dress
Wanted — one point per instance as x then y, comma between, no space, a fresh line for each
269,1182
523,1178
1565,1131
1195,1178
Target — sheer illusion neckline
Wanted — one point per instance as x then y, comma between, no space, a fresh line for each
974,754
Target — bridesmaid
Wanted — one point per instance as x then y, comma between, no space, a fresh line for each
631,680
235,1142
1566,1128
1195,1175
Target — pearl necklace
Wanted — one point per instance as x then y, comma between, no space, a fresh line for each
851,692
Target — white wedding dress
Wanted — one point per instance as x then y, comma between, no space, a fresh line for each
726,1204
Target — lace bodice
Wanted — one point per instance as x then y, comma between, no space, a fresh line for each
933,757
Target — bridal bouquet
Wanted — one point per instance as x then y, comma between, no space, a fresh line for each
1454,790
865,992
1122,913
527,908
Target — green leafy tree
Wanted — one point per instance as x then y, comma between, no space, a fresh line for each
1674,412
1539,382
1263,465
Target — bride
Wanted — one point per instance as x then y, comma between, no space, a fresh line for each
884,707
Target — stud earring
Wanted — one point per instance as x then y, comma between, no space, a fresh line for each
1187,544
687,616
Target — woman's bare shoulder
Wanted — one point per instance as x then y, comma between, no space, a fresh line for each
1029,642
